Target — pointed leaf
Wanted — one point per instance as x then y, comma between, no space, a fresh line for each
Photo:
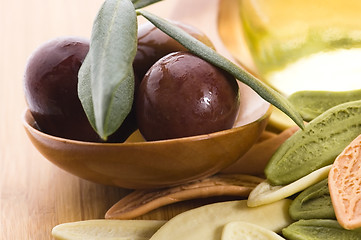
111,53
84,90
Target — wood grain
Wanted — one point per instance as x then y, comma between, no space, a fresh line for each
36,195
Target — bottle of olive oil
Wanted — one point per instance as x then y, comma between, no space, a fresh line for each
304,44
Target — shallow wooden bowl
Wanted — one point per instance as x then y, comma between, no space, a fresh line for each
137,165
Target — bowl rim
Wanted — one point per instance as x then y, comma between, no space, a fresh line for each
32,128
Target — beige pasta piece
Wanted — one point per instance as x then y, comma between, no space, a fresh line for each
241,230
101,229
344,183
266,193
207,222
140,202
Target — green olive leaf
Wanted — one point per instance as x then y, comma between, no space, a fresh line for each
84,90
213,57
106,81
125,88
143,3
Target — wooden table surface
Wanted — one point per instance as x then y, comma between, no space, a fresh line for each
35,195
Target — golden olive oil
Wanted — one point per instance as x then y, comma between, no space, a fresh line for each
304,44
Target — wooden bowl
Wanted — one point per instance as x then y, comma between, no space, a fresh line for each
138,165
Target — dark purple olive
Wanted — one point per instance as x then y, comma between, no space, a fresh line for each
182,95
50,84
153,44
